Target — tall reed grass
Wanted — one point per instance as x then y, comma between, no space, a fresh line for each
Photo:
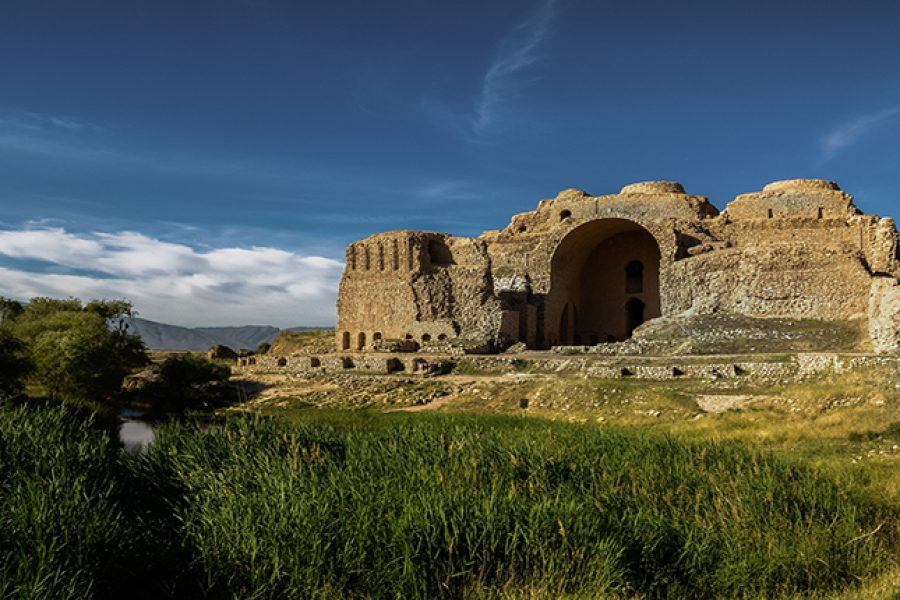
422,507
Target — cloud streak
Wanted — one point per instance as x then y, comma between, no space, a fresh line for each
517,52
172,282
852,132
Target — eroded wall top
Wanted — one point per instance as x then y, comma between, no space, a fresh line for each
811,198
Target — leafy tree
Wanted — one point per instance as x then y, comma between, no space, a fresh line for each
14,364
79,352
263,348
183,371
9,309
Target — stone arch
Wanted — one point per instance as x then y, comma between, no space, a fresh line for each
439,254
593,279
361,341
345,340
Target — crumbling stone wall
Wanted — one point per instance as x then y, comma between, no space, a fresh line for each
556,275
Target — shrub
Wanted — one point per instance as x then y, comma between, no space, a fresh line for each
78,352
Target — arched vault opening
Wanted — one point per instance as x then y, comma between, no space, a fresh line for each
604,282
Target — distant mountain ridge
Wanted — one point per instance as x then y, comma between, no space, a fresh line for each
160,336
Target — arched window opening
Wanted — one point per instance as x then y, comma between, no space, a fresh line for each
821,212
442,337
315,362
771,213
380,257
634,310
360,341
345,340
565,214
376,337
634,277
426,337
409,336
522,229
395,255
439,254
282,362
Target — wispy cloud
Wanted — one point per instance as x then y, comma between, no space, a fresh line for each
447,190
506,75
63,137
518,51
172,282
32,121
853,131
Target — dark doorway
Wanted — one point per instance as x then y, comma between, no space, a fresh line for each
635,314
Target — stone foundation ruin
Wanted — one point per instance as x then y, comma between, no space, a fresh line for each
584,270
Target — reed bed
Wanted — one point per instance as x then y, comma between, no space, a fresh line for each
424,507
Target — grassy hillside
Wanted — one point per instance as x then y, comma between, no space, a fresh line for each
312,340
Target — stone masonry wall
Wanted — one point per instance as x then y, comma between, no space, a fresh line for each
796,249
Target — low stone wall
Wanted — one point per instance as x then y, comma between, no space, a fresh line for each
333,363
792,367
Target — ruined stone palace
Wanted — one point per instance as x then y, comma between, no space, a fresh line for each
585,270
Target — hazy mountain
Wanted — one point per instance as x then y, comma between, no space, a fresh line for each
159,336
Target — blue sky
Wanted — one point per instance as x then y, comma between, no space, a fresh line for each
211,159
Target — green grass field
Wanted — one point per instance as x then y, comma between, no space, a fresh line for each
338,504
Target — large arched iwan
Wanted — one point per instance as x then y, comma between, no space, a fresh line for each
604,282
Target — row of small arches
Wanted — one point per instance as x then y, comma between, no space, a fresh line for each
361,257
314,361
347,338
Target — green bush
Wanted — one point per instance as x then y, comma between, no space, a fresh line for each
185,370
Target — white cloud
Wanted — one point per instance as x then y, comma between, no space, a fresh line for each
853,131
174,283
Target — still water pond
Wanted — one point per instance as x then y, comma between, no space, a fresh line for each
135,434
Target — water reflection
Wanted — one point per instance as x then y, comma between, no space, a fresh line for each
135,435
